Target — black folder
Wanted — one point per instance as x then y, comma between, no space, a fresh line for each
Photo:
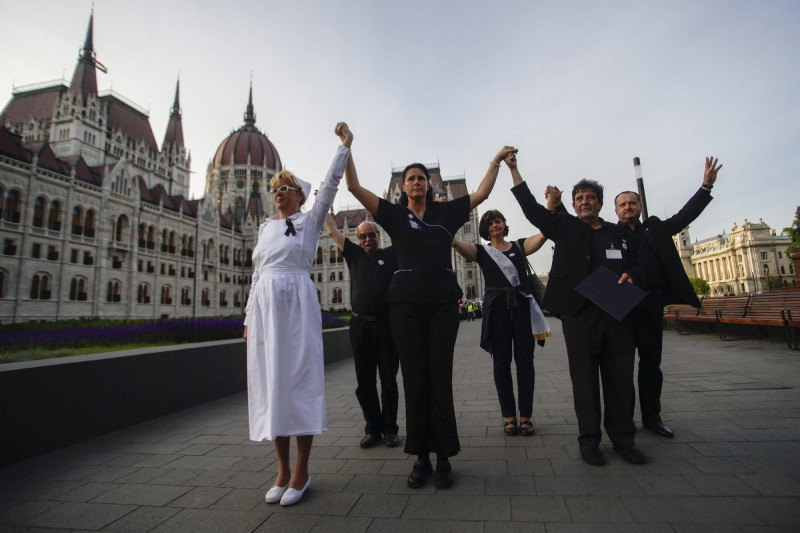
601,288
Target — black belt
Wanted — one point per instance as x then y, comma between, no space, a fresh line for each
368,318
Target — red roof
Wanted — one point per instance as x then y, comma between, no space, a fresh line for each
247,142
174,134
85,173
354,217
130,121
47,159
38,103
11,146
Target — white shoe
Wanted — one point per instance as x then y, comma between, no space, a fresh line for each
275,493
293,496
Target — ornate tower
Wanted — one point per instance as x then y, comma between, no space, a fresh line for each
241,169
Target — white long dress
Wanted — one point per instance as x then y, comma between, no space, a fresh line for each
285,368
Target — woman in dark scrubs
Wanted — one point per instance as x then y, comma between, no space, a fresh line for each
423,300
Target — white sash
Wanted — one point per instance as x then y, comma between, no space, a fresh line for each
539,324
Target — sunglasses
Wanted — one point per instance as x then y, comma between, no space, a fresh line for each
365,236
282,189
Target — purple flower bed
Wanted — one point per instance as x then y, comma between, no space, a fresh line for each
178,330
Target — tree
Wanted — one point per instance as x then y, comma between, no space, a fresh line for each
794,232
701,287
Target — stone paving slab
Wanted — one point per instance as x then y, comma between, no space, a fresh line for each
733,466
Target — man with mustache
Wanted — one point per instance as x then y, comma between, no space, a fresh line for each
598,345
674,287
371,270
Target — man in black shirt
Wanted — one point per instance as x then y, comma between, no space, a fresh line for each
371,270
598,346
673,287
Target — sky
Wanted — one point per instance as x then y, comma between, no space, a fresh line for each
580,87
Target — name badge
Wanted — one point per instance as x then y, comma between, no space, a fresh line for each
613,253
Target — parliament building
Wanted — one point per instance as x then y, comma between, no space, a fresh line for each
96,218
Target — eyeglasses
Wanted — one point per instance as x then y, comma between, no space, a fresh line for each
365,236
283,189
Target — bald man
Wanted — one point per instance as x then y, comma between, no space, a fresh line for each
371,270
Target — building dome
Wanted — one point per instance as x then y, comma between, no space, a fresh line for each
247,145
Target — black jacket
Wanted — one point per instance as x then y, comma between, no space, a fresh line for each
572,253
674,283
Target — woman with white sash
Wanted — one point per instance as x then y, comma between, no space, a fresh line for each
511,315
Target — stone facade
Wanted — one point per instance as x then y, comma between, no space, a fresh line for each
750,259
95,219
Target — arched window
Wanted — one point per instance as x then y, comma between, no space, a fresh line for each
208,251
319,256
3,282
249,261
339,257
11,207
39,287
141,236
151,238
77,221
77,289
112,292
236,301
333,254
54,216
223,298
143,294
190,253
337,296
88,224
164,240
122,228
185,296
205,301
38,212
166,297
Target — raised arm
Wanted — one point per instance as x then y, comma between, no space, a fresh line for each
537,214
487,184
533,243
697,203
465,249
337,236
367,198
553,196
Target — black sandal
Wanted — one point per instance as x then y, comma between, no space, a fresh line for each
510,426
526,427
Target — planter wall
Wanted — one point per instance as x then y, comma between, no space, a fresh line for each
45,405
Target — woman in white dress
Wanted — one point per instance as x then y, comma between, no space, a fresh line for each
283,325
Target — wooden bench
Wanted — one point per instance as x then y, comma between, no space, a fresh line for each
673,311
731,305
792,317
763,311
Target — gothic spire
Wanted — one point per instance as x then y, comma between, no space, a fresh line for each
84,79
174,134
250,116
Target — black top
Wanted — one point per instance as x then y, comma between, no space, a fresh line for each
370,276
572,256
423,247
493,274
607,249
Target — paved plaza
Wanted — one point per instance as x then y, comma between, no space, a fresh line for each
733,466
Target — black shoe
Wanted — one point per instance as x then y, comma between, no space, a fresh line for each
592,455
370,440
630,453
444,474
420,472
658,427
391,440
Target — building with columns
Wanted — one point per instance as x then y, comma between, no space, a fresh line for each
96,220
750,258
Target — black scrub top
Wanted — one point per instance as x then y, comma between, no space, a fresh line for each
423,246
370,276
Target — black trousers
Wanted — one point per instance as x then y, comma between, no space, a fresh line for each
425,337
648,321
373,349
512,337
598,346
